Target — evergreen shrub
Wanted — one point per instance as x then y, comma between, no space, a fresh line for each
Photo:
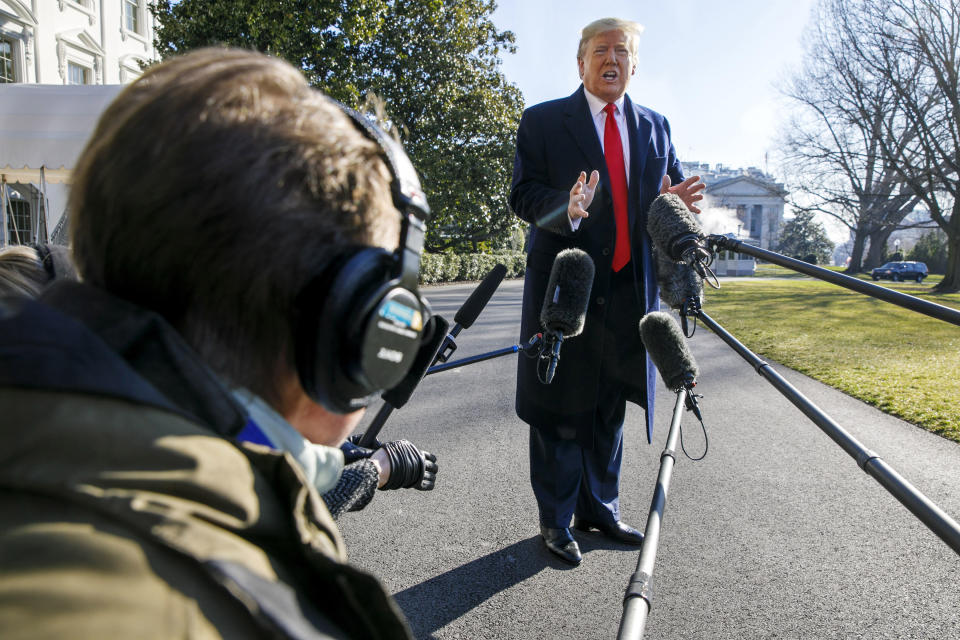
468,267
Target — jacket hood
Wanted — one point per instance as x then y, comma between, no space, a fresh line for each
80,339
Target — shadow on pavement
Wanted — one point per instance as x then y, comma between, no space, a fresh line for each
433,604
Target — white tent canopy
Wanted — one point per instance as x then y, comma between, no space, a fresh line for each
43,128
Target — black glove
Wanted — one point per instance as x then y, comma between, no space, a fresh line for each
352,452
409,467
357,437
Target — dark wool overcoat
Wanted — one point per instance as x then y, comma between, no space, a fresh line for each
556,140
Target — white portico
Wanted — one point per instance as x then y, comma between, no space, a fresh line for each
758,204
96,44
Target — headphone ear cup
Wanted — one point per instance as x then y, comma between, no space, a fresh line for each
359,331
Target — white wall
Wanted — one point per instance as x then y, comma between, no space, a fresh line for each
744,193
47,36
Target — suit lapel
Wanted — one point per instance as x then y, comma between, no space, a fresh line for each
579,123
639,129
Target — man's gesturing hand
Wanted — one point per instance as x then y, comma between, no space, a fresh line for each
687,190
581,195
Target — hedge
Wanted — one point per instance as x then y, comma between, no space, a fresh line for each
451,267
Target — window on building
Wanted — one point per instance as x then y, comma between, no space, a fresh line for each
19,228
131,15
77,74
6,62
756,220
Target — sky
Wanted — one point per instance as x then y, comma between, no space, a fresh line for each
710,67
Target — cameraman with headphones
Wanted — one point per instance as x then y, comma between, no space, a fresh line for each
239,236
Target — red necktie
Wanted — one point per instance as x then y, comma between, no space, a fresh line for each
613,153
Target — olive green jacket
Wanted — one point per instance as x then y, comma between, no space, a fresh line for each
122,517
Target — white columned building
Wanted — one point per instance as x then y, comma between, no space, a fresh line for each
58,42
74,41
756,203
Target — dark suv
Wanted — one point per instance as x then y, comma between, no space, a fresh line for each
898,271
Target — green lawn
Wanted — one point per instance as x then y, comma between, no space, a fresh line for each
900,361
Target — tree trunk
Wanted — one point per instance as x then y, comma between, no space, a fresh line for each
878,244
951,279
856,253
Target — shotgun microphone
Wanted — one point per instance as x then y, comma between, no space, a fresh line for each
565,303
679,282
470,310
667,348
473,305
682,255
675,231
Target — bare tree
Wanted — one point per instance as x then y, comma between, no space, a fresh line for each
835,143
914,45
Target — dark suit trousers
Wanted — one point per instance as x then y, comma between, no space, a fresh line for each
568,478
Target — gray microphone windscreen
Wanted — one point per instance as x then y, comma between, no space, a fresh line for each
668,220
668,349
568,293
678,281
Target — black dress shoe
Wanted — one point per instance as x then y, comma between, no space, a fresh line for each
561,542
618,531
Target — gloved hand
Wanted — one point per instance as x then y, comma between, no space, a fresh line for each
409,467
352,452
357,437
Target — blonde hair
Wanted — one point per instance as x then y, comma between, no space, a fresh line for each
631,30
21,272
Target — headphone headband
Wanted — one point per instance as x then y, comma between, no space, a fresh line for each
362,320
408,197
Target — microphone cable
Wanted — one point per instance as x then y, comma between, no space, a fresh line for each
690,306
539,347
691,402
702,263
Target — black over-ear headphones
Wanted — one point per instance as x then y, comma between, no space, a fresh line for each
361,321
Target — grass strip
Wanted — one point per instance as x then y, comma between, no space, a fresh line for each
902,362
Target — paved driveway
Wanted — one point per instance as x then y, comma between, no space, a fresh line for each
776,534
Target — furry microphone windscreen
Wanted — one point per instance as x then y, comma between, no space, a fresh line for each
668,349
568,293
671,225
678,281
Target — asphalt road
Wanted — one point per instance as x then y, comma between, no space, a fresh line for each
776,534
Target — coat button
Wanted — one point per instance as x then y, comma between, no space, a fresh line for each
601,300
606,251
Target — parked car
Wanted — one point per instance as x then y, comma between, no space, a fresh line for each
899,271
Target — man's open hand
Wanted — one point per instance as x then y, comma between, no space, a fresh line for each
581,195
686,190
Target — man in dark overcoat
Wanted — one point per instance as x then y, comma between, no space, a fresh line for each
584,182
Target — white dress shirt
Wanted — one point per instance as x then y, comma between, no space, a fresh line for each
597,106
600,122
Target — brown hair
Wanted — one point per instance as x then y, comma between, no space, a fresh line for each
213,189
